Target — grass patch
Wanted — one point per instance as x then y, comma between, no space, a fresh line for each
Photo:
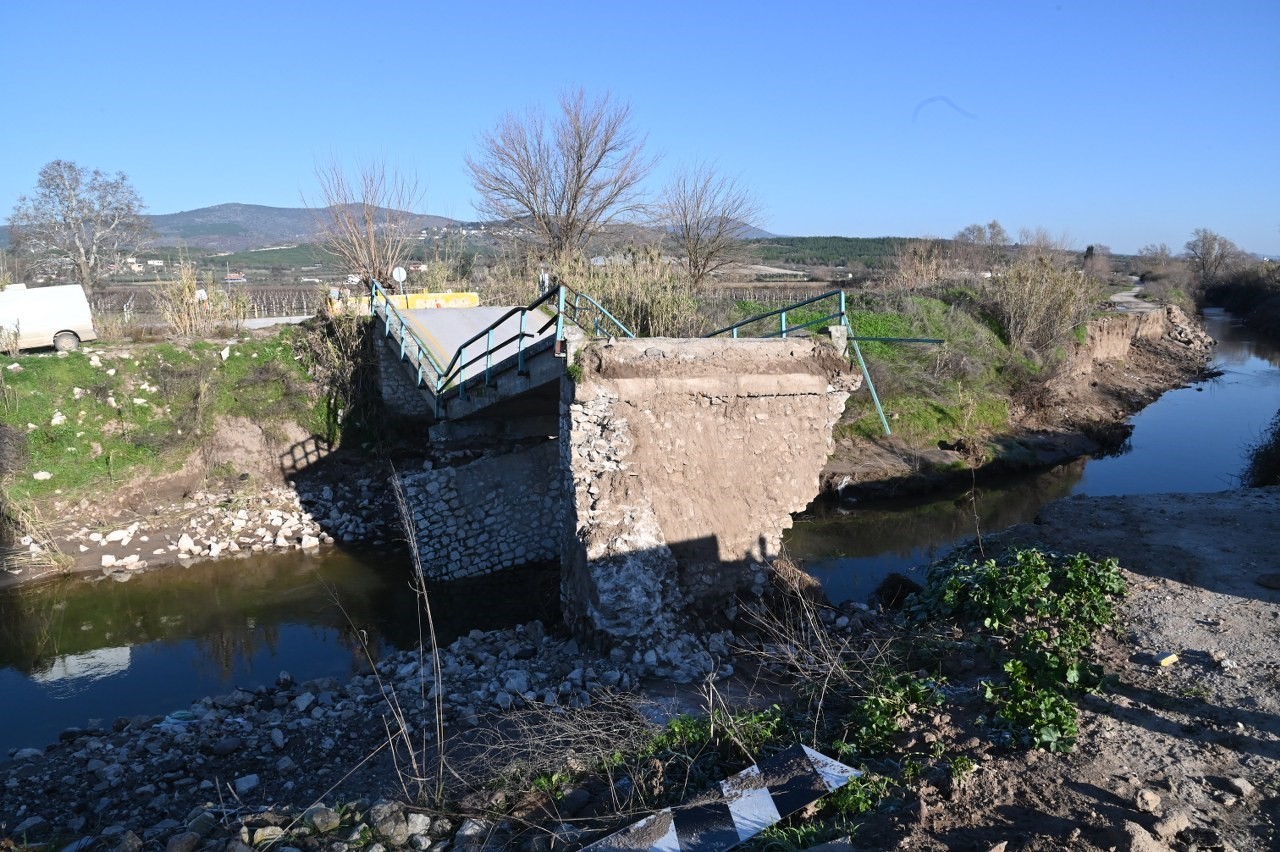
88,420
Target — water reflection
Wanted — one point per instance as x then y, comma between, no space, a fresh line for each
79,647
1194,439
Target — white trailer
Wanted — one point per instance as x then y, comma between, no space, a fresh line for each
45,316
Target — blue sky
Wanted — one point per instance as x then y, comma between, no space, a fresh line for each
1122,123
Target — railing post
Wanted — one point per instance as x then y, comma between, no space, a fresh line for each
462,371
559,317
402,335
520,346
488,357
784,323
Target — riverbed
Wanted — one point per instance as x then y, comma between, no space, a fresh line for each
74,650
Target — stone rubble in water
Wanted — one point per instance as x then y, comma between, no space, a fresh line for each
277,518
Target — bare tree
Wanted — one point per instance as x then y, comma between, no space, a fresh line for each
567,179
982,245
707,215
1097,261
367,220
78,218
1211,255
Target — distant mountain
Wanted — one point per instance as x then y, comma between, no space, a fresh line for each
753,233
238,227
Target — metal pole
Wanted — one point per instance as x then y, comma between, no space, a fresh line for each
488,357
559,316
520,346
871,386
462,372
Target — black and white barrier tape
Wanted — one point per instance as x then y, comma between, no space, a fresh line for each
741,808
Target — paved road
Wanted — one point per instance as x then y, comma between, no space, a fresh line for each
446,329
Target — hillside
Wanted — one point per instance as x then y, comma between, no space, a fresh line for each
237,227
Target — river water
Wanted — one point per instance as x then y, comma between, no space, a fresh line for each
1194,439
76,650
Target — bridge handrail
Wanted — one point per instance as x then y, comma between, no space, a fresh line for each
454,374
843,316
455,371
378,294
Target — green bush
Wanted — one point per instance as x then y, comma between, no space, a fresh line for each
1046,608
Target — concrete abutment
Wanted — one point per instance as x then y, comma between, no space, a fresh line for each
675,470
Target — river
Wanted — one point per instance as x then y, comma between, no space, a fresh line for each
73,650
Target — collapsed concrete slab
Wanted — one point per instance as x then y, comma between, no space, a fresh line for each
685,461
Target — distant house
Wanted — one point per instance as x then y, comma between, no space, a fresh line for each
155,263
234,278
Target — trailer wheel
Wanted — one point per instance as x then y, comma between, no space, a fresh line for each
66,341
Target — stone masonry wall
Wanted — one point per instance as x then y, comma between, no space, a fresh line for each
497,512
686,459
396,380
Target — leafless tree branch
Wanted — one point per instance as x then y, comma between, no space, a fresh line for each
567,179
79,218
707,215
367,219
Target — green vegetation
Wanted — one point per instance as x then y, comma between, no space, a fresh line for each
1263,466
871,696
1044,608
1252,292
869,252
140,411
305,255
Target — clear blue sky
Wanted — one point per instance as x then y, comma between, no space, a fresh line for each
1122,123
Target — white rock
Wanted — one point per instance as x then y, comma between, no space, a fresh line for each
42,475
309,541
58,419
116,535
225,353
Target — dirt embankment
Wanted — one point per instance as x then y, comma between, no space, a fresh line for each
1124,364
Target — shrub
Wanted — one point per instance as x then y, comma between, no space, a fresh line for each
1039,300
1045,607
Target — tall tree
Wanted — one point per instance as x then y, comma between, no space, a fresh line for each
982,245
566,178
367,219
77,217
1211,255
707,215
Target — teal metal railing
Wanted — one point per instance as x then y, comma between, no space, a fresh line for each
560,304
837,316
411,347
